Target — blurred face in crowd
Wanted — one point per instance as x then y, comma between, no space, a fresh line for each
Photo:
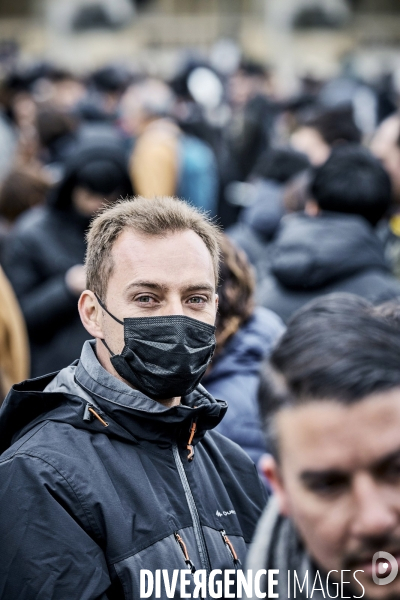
152,276
309,141
87,203
385,145
243,87
338,479
132,115
142,103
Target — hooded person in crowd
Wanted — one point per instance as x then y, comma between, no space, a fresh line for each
330,408
245,336
112,466
44,254
259,222
333,246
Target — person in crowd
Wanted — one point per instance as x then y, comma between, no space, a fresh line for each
245,336
14,347
386,146
115,468
333,246
253,114
105,88
329,400
21,189
44,254
57,133
164,160
330,128
259,222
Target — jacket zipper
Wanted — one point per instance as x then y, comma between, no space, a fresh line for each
198,533
231,549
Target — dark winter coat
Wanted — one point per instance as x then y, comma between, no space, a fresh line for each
44,244
234,377
85,505
313,256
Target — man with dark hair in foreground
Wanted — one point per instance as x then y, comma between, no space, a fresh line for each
111,466
330,403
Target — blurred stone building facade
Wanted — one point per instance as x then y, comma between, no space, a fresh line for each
296,36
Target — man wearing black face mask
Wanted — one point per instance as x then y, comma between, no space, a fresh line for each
111,466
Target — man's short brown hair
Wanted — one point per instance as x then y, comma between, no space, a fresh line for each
155,217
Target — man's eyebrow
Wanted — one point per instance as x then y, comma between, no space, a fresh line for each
162,287
382,462
147,284
199,286
312,476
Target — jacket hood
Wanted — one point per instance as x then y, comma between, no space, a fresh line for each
250,344
96,148
126,413
310,252
265,214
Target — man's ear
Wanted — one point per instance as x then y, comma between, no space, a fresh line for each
90,313
270,468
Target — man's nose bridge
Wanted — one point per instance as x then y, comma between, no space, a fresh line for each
173,304
372,512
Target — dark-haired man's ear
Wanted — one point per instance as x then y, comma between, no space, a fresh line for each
90,314
270,469
311,208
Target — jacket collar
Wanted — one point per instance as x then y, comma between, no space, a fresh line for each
143,417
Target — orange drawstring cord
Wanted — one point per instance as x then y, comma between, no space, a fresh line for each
189,444
230,546
98,416
185,552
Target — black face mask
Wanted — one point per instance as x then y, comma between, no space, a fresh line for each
163,357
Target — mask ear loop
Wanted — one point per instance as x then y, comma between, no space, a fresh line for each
103,306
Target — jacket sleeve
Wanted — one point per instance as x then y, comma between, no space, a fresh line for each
43,300
47,544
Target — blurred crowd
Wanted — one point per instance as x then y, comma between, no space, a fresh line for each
306,188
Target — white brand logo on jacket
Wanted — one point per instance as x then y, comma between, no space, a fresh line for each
225,513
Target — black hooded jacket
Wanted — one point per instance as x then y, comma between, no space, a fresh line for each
85,505
313,256
45,243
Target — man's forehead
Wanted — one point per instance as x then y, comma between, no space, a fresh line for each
322,432
175,256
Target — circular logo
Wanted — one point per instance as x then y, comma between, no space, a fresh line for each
384,568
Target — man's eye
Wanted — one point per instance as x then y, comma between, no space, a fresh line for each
144,299
390,471
196,300
328,487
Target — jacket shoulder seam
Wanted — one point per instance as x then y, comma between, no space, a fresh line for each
16,451
91,525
